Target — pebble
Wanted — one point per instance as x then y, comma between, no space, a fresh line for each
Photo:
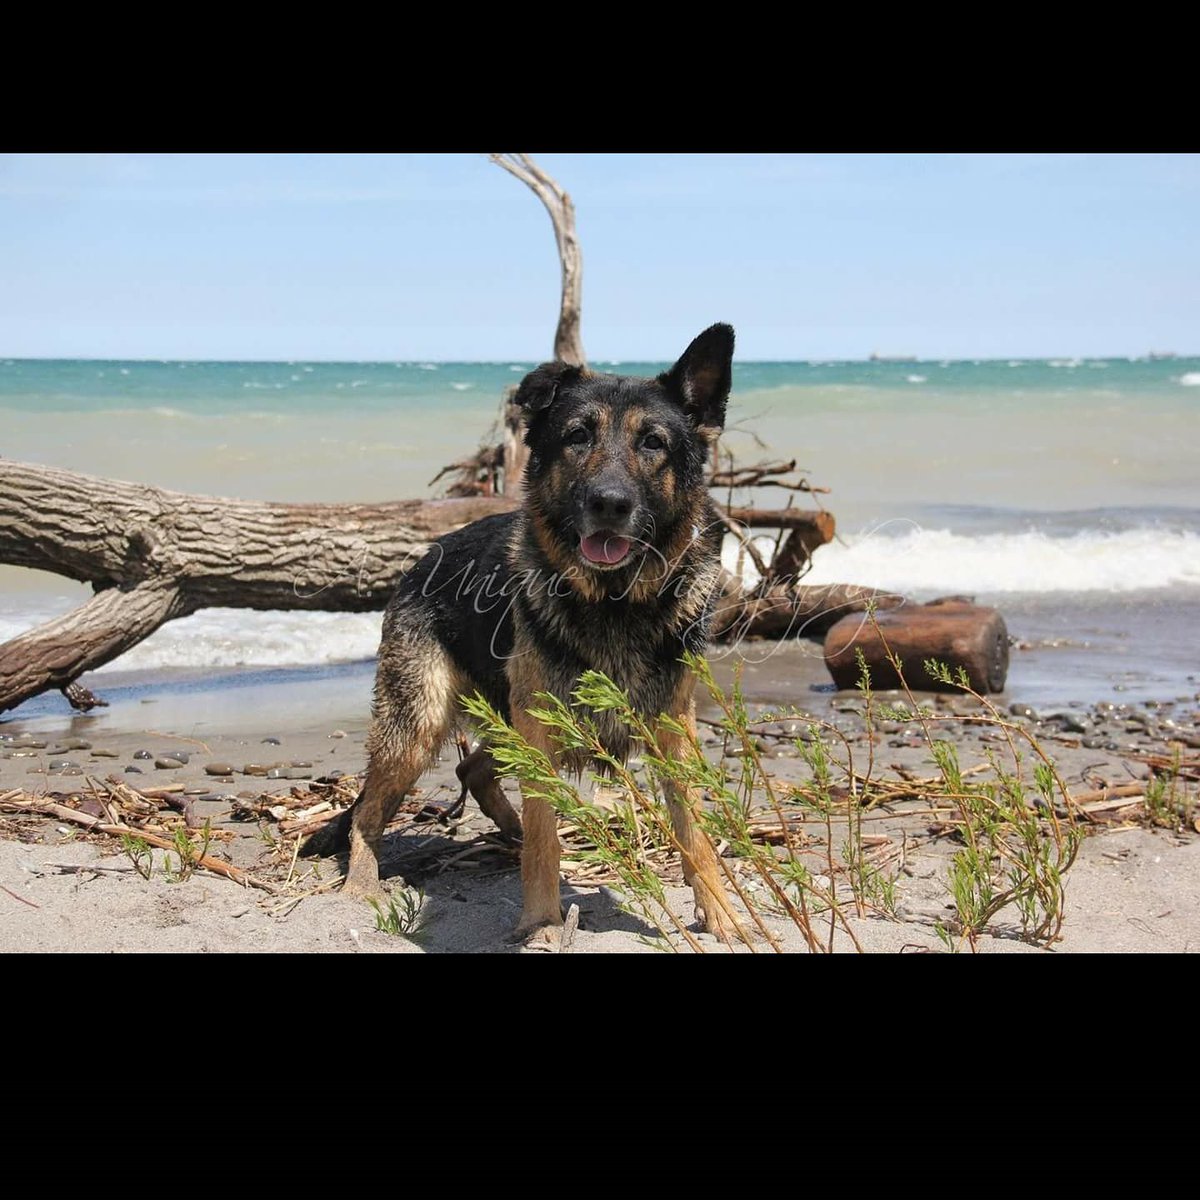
271,741
338,733
142,754
260,768
104,752
61,764
178,755
332,777
1070,723
195,791
299,762
1093,743
133,770
218,768
73,743
277,773
298,772
72,771
23,753
28,742
167,764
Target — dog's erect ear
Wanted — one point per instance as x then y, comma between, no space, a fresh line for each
540,386
702,378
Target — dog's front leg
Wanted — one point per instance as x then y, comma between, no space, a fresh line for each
541,911
700,867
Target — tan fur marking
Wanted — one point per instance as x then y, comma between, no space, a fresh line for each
400,749
540,851
667,557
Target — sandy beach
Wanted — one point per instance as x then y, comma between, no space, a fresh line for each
65,889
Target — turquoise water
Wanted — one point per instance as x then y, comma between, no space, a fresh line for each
230,388
1047,487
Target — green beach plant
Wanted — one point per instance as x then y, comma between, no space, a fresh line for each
403,914
188,853
139,854
1018,834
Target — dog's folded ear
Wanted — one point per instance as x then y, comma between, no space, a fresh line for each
539,388
702,377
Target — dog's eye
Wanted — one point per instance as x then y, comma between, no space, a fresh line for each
578,437
653,442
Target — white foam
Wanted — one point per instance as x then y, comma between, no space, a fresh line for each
462,387
222,637
916,378
233,637
935,559
1190,379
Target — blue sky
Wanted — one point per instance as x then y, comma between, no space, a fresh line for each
426,256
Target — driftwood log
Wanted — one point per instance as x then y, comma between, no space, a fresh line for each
952,631
568,341
153,555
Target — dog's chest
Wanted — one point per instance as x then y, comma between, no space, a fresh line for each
629,644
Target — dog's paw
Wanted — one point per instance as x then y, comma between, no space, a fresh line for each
538,933
363,887
714,920
541,938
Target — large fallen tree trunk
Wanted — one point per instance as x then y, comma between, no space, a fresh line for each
153,555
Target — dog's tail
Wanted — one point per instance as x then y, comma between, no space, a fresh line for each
332,838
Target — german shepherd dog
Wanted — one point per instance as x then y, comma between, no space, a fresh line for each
612,563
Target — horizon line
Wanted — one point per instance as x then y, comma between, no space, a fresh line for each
821,360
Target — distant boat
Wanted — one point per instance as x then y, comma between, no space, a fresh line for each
892,357
1161,355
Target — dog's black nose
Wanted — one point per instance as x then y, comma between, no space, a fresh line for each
609,503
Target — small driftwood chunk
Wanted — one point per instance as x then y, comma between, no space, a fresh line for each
953,632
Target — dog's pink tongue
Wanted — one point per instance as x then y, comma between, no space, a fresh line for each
604,547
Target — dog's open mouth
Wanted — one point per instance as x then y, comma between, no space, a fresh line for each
605,549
